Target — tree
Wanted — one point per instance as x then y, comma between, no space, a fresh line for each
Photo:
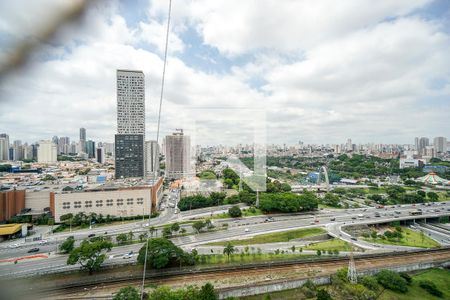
130,236
235,211
68,245
370,282
163,253
122,238
228,250
319,253
90,254
143,236
293,248
167,232
323,295
430,287
433,196
207,292
198,225
175,227
152,230
392,280
127,293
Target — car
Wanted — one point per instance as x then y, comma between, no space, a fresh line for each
32,250
91,235
128,255
13,246
354,238
353,218
316,221
247,230
333,219
43,242
106,232
269,219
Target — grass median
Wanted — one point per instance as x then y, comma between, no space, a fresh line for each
276,237
410,238
333,244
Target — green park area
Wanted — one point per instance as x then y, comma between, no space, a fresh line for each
406,237
276,237
369,288
440,277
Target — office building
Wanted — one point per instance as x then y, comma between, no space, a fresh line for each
82,142
129,140
100,155
178,158
440,144
151,154
4,146
17,150
90,149
416,144
47,152
64,145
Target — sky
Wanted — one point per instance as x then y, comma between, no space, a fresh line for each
317,71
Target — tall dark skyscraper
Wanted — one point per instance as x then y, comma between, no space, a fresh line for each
129,140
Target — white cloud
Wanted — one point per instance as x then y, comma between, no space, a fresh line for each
325,72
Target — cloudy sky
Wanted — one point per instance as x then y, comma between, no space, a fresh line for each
318,71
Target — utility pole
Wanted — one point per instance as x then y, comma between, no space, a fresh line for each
351,274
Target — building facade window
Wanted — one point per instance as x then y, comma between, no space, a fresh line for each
99,203
109,202
130,201
77,204
119,202
66,205
140,200
88,203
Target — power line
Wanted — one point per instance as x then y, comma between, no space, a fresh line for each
157,138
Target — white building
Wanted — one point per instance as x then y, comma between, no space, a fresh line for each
47,152
130,102
411,163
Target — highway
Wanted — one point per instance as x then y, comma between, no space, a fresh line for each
237,229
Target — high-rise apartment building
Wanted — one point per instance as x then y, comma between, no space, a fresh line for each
47,152
440,144
129,140
423,143
151,155
4,146
178,158
64,145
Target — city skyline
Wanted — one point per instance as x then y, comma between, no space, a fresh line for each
328,83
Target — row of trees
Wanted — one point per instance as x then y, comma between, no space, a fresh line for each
205,292
288,202
199,201
399,195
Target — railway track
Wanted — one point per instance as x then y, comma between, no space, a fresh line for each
232,277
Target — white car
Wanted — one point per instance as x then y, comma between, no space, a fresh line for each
247,230
14,246
43,242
